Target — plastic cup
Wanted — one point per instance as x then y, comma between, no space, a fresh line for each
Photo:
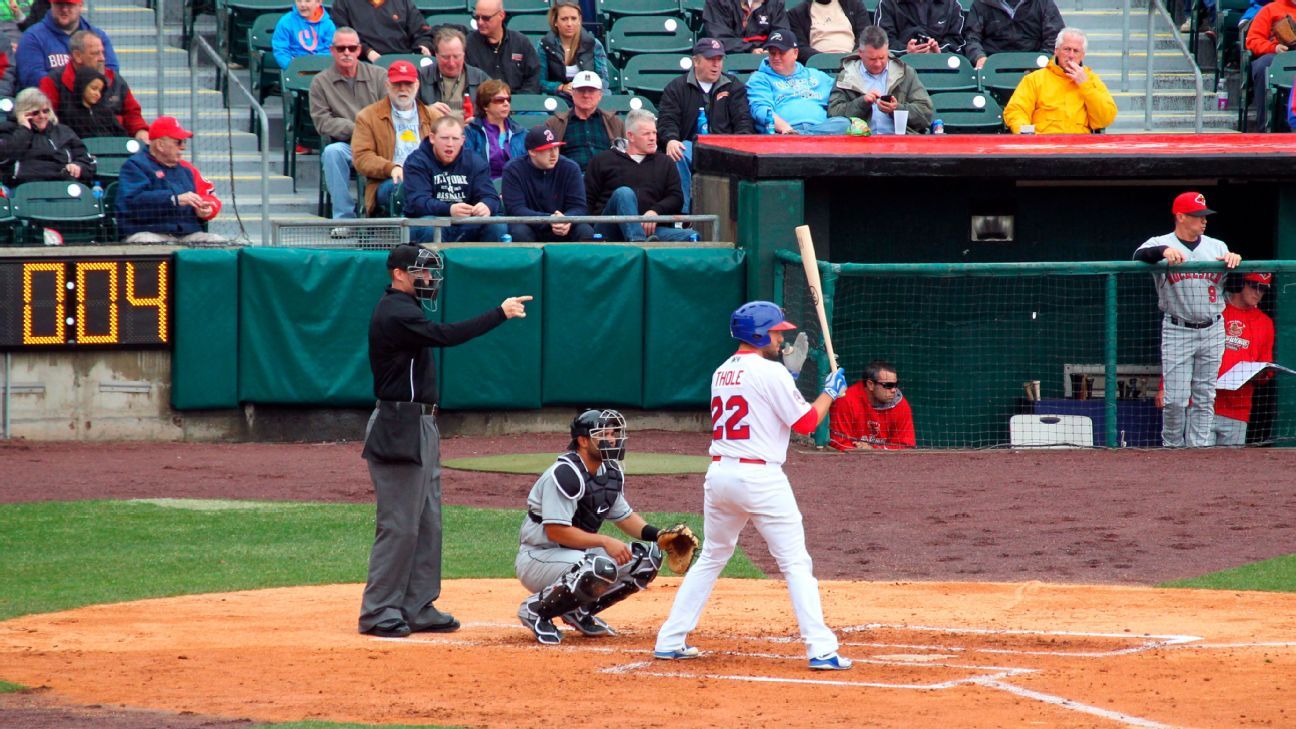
901,117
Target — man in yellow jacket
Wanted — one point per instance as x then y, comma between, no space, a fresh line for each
1064,97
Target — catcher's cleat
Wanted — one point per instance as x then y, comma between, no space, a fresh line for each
831,662
588,625
546,633
678,654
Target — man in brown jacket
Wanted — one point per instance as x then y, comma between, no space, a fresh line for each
586,130
337,95
387,131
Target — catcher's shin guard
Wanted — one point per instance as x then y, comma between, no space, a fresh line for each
584,584
644,567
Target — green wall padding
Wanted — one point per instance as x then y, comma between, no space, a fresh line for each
304,325
500,369
593,325
692,293
204,360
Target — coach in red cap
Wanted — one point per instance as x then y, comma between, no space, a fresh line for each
1192,328
387,131
1248,337
160,197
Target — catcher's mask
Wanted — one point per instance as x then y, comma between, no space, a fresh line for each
607,428
427,268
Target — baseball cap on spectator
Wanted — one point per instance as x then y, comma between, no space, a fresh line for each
168,126
781,40
708,48
586,80
65,2
402,72
1192,203
541,138
1265,280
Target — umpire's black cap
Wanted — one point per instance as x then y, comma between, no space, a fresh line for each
402,256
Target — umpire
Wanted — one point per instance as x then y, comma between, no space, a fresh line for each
403,447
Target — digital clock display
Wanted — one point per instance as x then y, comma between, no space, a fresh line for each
85,302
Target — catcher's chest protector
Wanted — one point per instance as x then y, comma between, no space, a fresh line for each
594,496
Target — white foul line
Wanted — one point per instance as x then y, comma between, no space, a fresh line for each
1072,705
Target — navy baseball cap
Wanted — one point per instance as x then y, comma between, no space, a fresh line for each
402,256
541,138
782,40
708,48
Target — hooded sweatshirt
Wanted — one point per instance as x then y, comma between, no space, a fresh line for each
529,190
297,36
95,121
432,187
798,99
44,47
855,422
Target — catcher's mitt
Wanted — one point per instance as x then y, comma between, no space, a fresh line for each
680,545
1284,31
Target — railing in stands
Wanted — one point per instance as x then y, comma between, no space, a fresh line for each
159,16
387,232
1155,7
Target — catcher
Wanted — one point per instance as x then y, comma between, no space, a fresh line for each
573,571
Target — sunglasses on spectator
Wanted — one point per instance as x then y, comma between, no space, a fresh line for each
347,49
502,100
39,112
484,18
1258,285
887,385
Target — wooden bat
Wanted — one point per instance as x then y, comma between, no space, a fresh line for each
806,244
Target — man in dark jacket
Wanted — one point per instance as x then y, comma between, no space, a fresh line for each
828,26
87,50
44,47
442,85
442,182
502,53
160,197
1033,26
704,86
385,26
743,25
638,181
923,26
544,183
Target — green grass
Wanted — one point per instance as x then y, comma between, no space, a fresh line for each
62,555
11,688
1273,575
636,464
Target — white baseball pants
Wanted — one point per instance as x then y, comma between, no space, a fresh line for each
1190,361
735,493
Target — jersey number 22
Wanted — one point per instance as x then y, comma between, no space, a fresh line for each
727,418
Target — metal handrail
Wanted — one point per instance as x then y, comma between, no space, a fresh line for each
1061,268
1155,7
159,17
200,45
437,224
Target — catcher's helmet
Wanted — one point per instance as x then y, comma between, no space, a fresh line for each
415,260
753,322
607,428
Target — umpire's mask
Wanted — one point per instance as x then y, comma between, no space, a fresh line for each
427,287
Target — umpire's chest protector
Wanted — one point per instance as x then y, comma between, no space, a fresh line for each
594,495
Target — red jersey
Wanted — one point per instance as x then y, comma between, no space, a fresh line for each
853,420
1248,337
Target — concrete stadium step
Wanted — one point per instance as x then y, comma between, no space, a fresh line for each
1163,100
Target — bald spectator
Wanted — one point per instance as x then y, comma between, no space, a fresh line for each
162,198
118,111
44,47
586,130
442,85
995,26
388,131
385,26
502,53
337,96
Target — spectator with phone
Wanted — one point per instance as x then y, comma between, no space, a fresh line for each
924,26
1064,97
874,85
37,147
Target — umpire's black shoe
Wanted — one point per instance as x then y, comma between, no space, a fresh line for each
546,633
389,629
431,620
587,624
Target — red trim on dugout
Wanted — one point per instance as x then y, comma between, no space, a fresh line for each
961,145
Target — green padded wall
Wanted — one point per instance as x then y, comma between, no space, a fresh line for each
768,213
692,293
204,360
593,325
501,369
304,324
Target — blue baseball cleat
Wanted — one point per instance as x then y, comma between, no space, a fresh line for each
678,654
831,662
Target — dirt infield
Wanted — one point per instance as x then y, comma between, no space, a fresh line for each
930,654
945,653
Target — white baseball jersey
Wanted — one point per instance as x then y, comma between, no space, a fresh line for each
754,403
1195,297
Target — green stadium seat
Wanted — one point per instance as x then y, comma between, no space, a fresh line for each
8,223
461,18
263,69
648,34
829,63
1003,71
692,10
1278,88
235,17
110,153
432,7
299,128
623,104
68,207
648,74
944,71
613,10
194,8
418,59
743,63
533,27
1228,41
968,112
522,7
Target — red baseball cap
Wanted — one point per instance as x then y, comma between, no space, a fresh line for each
402,71
1192,203
65,2
1264,279
168,126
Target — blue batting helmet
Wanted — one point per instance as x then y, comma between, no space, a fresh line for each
753,322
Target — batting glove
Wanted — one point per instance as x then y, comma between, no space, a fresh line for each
794,355
835,384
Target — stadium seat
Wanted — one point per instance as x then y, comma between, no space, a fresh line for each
235,17
944,71
299,128
968,112
1228,40
418,59
743,63
829,63
460,19
8,223
109,207
263,69
533,27
531,110
622,104
642,34
68,207
613,10
1003,71
432,7
1278,87
648,74
522,7
110,153
692,10
194,8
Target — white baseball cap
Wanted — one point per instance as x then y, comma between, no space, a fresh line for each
587,80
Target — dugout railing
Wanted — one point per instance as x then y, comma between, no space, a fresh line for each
970,340
370,233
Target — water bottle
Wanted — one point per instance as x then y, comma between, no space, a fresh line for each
97,191
703,126
693,238
506,238
598,237
937,126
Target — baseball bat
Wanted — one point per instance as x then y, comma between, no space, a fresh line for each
806,244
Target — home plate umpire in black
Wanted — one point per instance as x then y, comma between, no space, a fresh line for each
403,447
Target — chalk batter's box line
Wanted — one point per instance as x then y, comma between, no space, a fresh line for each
1147,641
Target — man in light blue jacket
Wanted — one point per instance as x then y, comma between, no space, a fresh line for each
788,98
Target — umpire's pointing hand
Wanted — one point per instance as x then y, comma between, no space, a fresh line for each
515,306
